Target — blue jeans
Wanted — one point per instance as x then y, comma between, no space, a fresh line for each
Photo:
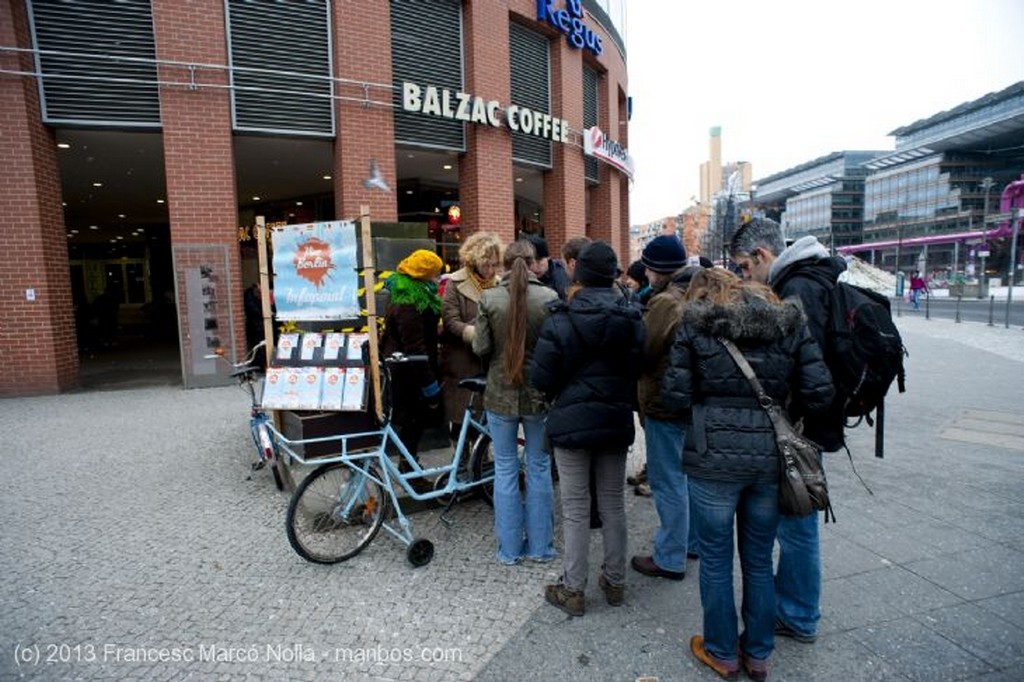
523,527
664,442
755,506
798,576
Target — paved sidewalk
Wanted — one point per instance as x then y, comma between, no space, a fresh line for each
134,533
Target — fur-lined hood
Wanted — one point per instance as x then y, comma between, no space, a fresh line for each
753,318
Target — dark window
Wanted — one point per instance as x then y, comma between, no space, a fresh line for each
281,66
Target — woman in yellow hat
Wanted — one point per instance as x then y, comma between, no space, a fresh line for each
411,327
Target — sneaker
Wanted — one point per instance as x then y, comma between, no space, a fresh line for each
727,670
784,630
756,669
561,597
646,565
614,594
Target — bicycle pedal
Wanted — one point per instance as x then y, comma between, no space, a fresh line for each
256,466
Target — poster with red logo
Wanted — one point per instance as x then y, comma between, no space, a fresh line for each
315,274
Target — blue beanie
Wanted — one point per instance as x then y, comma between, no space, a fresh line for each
664,254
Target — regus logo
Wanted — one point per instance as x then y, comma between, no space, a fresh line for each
570,22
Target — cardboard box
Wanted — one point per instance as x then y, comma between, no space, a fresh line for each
299,425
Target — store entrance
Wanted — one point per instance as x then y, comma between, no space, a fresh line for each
118,236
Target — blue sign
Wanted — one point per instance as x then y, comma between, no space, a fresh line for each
570,22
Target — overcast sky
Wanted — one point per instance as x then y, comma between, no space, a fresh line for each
791,80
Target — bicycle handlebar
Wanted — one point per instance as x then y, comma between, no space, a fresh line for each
401,357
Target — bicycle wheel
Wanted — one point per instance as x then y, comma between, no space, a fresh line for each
268,453
481,465
335,512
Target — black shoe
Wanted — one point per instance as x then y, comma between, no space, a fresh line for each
646,565
783,630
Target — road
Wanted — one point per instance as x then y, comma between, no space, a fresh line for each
971,310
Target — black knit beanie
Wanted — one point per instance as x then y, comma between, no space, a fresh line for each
664,254
597,265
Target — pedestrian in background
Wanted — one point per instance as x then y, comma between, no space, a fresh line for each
804,270
731,457
586,362
507,326
480,258
917,288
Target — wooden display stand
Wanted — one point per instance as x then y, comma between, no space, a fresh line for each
297,424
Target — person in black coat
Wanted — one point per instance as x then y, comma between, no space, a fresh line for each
411,327
587,361
803,271
730,455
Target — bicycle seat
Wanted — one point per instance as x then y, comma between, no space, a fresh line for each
242,371
475,384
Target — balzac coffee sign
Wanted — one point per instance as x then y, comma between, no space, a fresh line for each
460,106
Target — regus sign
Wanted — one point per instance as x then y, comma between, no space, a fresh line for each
570,22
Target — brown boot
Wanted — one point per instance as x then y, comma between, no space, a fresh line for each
614,594
727,670
561,597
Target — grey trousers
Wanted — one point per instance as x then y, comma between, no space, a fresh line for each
574,490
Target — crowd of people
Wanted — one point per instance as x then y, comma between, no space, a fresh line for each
573,349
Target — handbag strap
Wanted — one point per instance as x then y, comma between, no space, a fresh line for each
763,398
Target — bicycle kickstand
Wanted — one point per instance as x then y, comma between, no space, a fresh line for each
445,519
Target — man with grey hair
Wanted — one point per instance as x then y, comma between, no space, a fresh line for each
806,271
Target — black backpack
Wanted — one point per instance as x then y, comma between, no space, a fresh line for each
865,352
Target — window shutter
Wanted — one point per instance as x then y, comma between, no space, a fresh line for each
531,88
434,25
590,117
281,73
94,80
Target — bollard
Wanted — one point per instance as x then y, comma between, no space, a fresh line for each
927,308
991,310
899,306
958,299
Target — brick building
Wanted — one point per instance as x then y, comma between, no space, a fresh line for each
142,138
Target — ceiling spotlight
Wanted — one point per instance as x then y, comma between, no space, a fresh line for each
447,166
159,201
519,179
255,198
327,177
97,184
70,235
113,241
75,231
63,145
121,215
408,191
94,227
298,203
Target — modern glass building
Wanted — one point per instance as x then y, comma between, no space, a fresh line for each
823,197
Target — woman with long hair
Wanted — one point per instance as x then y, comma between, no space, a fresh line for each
480,256
507,327
730,455
587,362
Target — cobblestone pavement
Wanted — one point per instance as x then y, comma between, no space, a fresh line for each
136,545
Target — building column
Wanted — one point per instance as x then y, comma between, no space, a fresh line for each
38,348
365,129
199,158
609,199
564,187
486,195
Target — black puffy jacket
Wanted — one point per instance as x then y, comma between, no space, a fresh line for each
811,280
587,361
730,437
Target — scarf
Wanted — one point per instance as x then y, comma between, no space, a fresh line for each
480,284
415,292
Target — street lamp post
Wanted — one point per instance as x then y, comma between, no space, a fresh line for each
986,184
1011,271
